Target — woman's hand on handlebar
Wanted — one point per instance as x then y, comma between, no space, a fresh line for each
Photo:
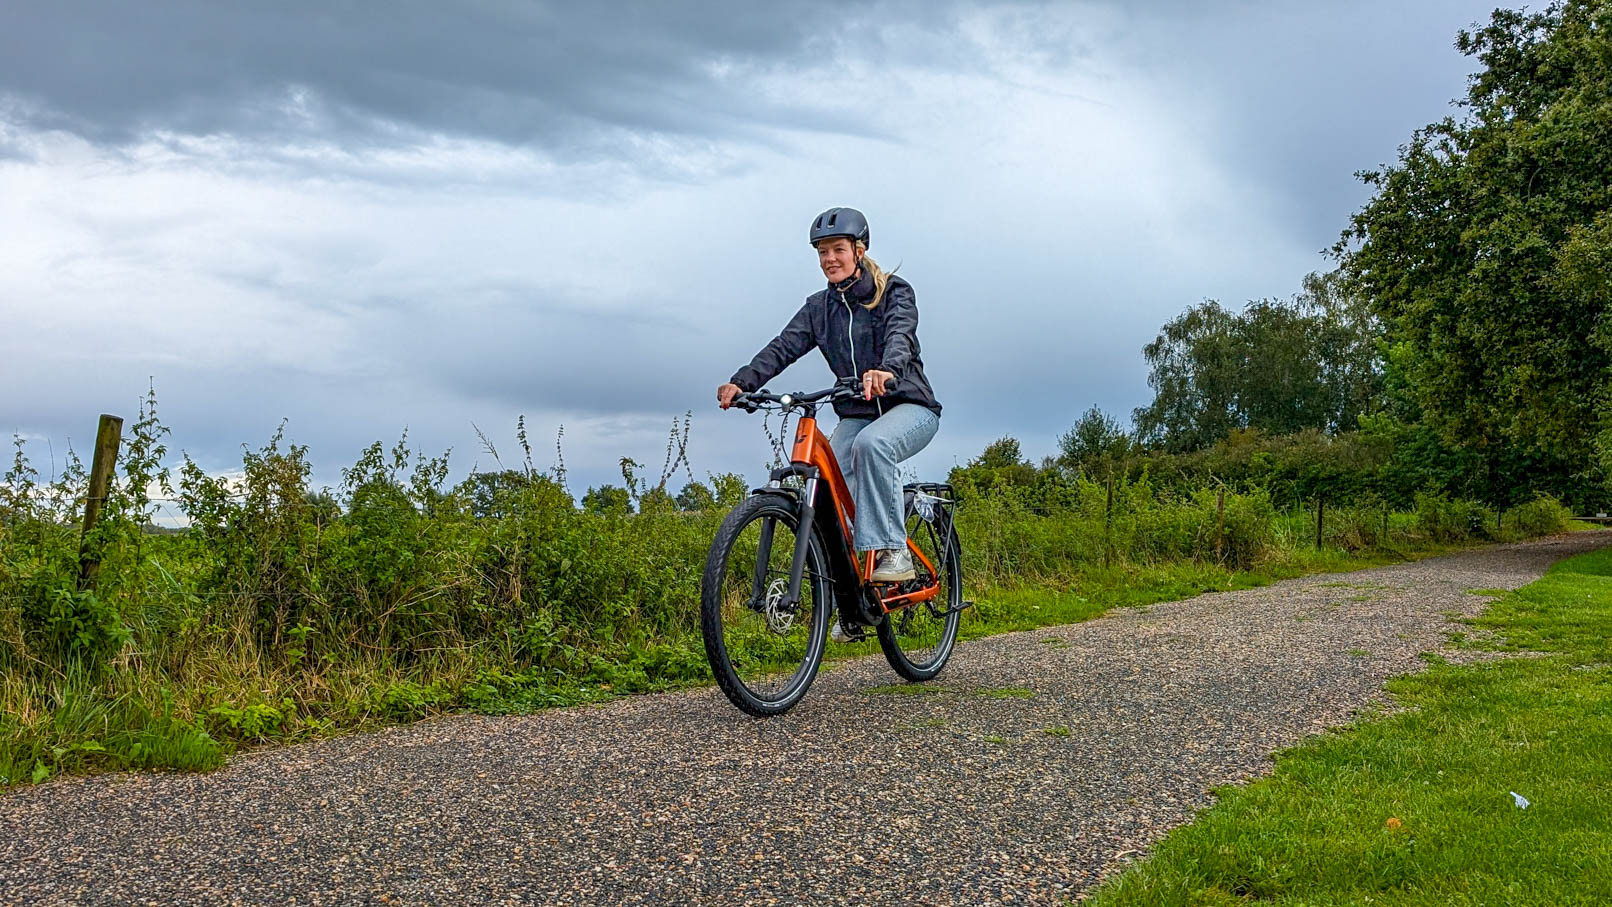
726,393
876,383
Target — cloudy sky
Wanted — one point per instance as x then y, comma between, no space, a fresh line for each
365,217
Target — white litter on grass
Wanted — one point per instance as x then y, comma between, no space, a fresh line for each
1520,800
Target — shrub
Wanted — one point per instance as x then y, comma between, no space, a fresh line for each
1541,516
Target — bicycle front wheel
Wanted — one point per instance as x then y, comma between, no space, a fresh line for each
918,639
764,652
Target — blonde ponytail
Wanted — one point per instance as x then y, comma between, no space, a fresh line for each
881,280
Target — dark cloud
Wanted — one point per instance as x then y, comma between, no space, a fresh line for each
564,76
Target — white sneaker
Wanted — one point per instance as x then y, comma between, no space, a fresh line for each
894,566
836,632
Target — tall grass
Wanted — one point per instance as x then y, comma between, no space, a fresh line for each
285,612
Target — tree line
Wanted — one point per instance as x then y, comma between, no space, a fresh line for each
1459,346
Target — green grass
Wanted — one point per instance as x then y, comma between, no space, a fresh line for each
1415,807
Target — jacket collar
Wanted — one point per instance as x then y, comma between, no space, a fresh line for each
858,289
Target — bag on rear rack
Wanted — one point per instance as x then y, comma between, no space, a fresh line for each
932,502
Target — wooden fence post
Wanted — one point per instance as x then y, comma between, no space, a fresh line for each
1320,520
1108,525
1220,526
107,438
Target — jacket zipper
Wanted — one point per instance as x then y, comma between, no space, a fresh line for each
850,338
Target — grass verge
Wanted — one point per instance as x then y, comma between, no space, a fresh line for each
1417,807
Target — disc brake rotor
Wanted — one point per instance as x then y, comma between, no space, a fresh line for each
778,620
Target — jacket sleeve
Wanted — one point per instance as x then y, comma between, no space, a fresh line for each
796,340
900,329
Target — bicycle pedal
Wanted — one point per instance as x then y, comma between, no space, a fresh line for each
854,633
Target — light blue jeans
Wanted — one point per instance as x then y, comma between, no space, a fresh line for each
869,452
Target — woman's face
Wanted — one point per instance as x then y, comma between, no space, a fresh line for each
837,257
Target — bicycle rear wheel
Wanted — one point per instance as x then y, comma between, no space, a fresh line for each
763,653
918,639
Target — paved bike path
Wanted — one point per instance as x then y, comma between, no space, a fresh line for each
858,796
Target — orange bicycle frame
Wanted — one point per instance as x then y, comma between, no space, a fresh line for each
812,449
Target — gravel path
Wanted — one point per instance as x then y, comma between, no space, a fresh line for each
861,795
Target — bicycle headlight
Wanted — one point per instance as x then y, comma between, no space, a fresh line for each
786,399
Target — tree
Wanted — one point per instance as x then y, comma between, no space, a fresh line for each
607,499
695,496
1347,340
1001,462
1095,446
1308,363
1484,251
1191,363
490,493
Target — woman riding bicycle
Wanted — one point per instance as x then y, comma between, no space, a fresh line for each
866,323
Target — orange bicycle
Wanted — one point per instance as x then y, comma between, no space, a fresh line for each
782,566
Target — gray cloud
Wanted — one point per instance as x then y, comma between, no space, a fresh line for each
1298,97
567,77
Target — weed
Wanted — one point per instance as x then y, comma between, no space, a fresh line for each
1006,693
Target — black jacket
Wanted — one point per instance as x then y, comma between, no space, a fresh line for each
853,339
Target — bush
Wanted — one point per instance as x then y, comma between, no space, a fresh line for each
1541,516
1444,520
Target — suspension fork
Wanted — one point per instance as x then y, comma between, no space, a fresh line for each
758,586
803,540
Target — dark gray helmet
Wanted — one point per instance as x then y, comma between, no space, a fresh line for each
847,222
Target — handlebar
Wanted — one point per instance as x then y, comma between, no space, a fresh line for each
844,388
